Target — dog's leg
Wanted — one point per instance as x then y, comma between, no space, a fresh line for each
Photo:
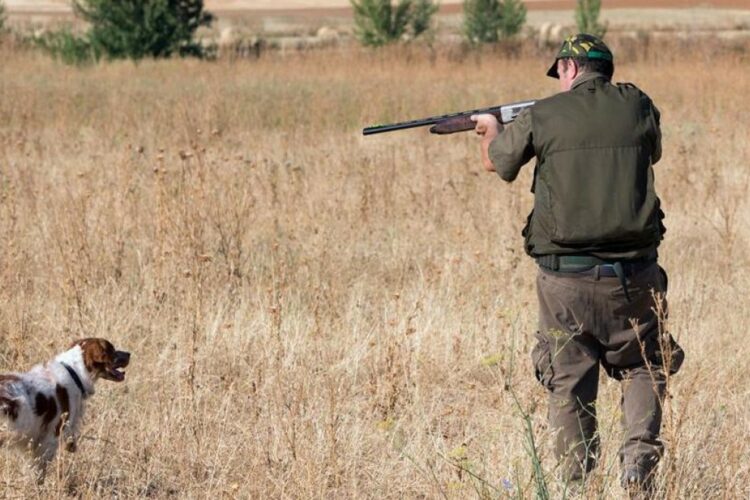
71,446
8,407
40,471
69,433
44,452
73,430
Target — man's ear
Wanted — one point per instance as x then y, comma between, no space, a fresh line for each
573,68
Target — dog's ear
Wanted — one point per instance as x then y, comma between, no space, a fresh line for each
84,343
96,352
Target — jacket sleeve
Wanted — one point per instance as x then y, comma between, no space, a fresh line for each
513,147
656,153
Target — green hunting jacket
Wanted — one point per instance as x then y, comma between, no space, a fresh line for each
593,186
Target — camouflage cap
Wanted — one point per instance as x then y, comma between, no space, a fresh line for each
583,46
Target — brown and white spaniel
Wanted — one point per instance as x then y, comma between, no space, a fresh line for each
39,406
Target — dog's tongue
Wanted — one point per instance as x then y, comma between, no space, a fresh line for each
117,374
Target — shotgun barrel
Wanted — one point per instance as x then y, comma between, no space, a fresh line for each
454,122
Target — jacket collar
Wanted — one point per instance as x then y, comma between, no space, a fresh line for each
586,77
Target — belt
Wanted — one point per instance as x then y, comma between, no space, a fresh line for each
590,265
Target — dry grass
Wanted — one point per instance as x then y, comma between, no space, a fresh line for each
313,314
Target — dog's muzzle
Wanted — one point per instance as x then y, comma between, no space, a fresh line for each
122,359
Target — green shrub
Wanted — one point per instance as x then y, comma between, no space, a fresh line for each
378,22
68,47
514,17
131,29
2,16
422,12
489,21
587,17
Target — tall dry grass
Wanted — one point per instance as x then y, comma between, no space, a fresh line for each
313,314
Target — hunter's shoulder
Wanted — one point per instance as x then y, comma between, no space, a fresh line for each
628,87
631,89
549,103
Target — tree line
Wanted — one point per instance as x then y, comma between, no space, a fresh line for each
137,29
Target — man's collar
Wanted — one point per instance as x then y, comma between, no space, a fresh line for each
76,379
586,77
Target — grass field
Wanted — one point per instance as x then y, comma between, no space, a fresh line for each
314,314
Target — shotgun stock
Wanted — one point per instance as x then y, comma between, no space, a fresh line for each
455,122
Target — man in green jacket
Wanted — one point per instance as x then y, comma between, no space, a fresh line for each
594,231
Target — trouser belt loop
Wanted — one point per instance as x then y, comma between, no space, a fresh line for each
620,273
597,272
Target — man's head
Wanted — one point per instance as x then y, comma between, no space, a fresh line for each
581,53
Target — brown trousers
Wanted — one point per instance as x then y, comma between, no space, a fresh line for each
584,321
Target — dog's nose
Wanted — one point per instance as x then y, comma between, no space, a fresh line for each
122,358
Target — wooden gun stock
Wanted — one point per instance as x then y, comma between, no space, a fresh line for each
458,124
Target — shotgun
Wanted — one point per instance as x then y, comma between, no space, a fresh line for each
455,122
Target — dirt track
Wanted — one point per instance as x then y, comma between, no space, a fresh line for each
455,5
341,7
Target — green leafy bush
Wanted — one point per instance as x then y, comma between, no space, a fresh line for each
587,17
2,16
489,21
131,29
378,22
422,12
514,17
68,47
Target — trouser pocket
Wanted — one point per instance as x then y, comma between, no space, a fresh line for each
664,279
541,358
668,354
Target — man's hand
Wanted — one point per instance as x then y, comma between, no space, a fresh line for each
487,128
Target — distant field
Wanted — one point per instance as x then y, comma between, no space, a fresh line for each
304,17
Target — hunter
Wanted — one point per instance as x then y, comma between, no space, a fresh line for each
594,233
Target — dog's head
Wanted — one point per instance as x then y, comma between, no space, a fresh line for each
101,359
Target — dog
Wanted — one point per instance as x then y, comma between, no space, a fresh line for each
45,404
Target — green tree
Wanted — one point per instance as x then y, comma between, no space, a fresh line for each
514,17
2,16
378,22
489,21
422,12
143,28
587,17
132,29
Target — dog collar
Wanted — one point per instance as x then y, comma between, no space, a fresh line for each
75,378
